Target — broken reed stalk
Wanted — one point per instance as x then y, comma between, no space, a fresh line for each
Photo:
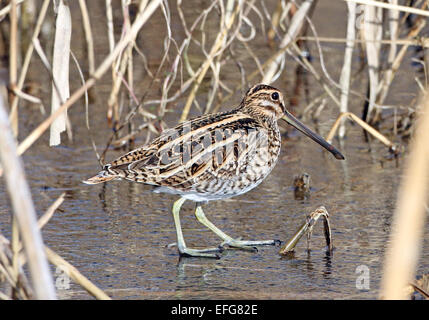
23,209
55,259
363,124
307,229
140,20
410,214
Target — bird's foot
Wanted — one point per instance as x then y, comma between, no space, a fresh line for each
249,244
201,253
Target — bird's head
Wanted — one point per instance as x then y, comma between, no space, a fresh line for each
265,102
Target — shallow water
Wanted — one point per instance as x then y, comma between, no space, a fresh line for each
117,234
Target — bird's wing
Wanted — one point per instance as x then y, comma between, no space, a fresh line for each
183,153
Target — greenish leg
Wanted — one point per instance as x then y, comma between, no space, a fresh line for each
246,245
183,250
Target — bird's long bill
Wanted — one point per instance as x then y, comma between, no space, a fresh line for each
289,118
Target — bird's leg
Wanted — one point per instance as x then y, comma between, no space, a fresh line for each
247,245
183,250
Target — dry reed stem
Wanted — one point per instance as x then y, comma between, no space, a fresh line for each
363,124
13,61
19,94
56,87
43,220
88,35
111,38
58,261
347,65
110,28
307,228
393,30
75,275
392,7
17,280
130,35
23,209
215,50
113,104
410,214
309,67
294,29
215,66
82,78
15,250
60,70
27,60
275,20
8,8
320,51
372,31
421,287
181,51
421,42
254,74
4,297
396,62
118,70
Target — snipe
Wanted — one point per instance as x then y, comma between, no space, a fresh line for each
213,157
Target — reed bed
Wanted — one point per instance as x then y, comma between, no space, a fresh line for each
191,76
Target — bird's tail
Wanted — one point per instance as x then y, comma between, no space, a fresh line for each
102,176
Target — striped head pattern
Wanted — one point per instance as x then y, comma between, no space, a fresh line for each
265,101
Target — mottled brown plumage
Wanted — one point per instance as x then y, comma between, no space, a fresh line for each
212,157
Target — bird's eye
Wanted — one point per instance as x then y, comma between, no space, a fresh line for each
275,96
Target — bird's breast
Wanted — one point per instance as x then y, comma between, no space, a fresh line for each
252,159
